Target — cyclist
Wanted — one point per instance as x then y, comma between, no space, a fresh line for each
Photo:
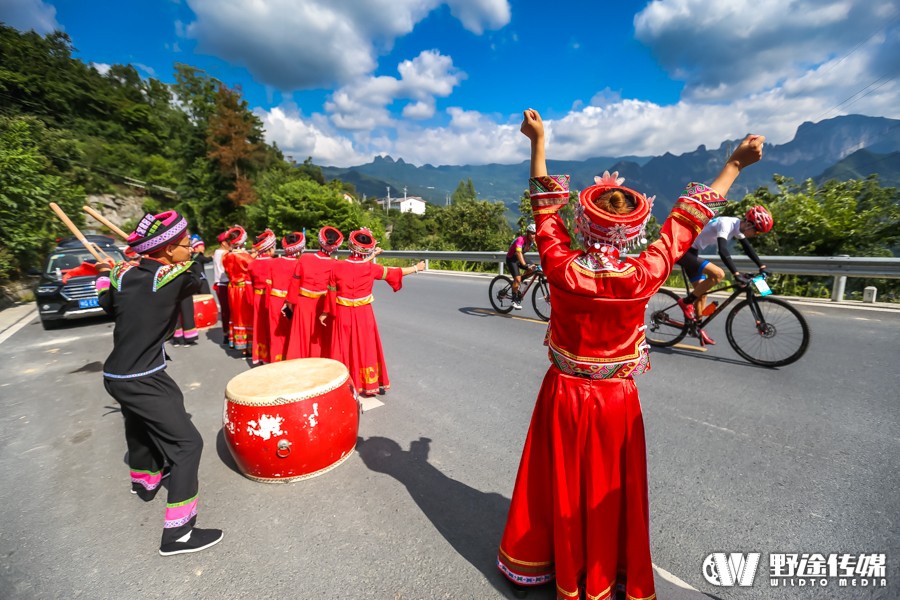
515,260
703,274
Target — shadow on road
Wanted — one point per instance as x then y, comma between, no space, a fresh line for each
224,453
478,311
704,356
470,520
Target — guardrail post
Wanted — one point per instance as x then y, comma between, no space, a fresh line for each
837,289
501,267
426,264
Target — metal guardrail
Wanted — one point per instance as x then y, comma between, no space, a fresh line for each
839,267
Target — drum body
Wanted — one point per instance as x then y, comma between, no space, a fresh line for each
205,312
291,420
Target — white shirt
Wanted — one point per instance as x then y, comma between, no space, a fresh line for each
720,227
219,274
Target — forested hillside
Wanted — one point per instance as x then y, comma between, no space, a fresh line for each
67,130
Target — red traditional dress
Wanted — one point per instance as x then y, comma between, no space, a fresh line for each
579,511
282,269
354,336
309,286
261,280
240,299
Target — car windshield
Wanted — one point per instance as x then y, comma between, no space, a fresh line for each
60,262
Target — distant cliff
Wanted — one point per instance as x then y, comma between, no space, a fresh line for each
852,146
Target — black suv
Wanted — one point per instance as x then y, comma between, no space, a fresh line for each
77,297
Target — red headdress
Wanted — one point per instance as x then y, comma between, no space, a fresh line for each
597,228
237,236
265,241
293,243
361,242
330,239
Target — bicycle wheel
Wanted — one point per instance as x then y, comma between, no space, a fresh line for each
500,294
767,331
665,320
540,298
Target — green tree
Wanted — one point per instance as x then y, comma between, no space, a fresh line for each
289,201
27,186
475,225
465,192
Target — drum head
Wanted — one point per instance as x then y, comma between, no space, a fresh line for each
286,381
202,297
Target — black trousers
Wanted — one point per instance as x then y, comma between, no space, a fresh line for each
158,429
224,308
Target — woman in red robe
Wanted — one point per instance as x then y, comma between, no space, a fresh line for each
579,510
306,295
354,337
236,263
261,280
282,268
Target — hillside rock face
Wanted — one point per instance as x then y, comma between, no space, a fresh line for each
118,209
817,148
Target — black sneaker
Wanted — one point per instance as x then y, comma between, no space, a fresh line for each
200,539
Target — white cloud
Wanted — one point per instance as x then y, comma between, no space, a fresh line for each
302,137
317,43
26,15
101,68
146,69
363,104
729,49
763,67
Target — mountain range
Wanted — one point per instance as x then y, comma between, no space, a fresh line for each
846,147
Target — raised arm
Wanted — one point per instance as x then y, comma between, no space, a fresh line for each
748,152
533,128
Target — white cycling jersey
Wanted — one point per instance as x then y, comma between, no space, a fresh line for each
719,227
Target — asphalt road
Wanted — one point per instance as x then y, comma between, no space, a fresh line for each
741,459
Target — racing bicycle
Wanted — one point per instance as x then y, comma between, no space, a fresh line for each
501,294
764,330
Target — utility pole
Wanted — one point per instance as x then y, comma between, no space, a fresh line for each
387,201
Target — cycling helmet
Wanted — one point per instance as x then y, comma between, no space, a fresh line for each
761,219
531,228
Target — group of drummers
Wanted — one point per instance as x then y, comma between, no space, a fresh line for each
304,304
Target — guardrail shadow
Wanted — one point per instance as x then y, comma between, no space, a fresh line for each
470,520
480,311
702,355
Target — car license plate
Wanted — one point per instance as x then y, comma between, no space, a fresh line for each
88,303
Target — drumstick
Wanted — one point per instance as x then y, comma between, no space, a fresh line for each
68,222
109,224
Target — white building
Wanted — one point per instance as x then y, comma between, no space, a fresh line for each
412,204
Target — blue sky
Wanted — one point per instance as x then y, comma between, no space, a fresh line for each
445,81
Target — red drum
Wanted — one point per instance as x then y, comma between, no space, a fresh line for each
291,420
205,312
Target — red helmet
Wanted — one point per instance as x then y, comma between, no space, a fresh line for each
761,219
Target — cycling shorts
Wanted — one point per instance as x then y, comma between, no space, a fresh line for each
512,265
693,265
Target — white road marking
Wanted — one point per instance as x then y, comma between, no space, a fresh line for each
15,327
368,403
683,590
